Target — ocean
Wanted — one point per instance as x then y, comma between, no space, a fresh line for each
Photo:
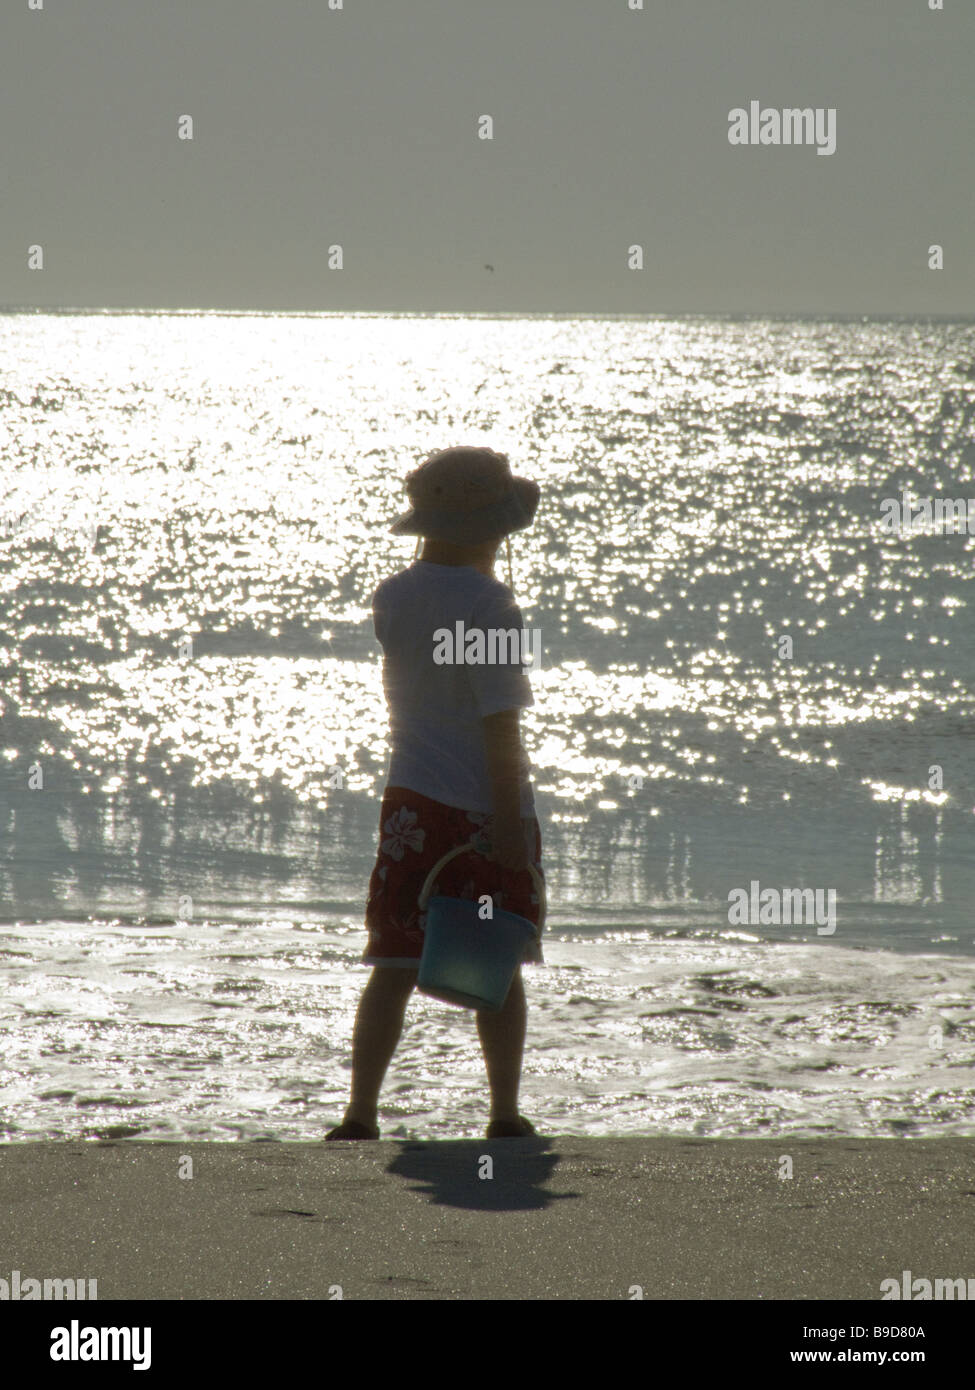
748,679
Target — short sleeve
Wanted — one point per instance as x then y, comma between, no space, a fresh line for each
499,682
379,614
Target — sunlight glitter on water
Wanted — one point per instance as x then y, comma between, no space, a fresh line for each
708,487
203,1030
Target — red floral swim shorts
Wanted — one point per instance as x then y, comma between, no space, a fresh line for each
414,832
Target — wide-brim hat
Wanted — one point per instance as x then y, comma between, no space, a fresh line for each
466,496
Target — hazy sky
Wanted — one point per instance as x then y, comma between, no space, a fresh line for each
359,127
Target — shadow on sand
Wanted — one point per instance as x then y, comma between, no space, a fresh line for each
481,1174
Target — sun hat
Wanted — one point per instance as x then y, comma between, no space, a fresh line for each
466,495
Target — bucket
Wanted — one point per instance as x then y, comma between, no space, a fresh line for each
468,960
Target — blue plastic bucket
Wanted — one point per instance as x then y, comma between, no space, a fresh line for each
469,960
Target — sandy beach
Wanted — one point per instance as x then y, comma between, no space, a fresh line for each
561,1218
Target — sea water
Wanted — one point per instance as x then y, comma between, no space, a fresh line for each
193,517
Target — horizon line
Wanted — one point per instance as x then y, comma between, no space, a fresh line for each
874,316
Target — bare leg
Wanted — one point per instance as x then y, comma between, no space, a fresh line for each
503,1042
378,1025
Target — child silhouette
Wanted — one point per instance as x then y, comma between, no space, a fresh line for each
457,772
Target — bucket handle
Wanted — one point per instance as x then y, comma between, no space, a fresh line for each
463,849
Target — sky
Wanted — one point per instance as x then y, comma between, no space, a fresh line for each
358,128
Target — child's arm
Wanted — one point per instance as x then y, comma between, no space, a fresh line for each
503,744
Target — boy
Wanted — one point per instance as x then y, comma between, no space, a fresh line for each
457,772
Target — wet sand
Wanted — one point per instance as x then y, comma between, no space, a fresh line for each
561,1218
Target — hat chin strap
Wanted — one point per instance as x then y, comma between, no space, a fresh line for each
507,543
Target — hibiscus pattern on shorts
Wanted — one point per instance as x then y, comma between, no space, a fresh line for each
403,834
416,831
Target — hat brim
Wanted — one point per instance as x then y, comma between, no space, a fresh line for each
515,512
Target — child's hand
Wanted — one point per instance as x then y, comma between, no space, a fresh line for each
509,845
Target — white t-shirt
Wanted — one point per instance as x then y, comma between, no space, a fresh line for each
435,710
